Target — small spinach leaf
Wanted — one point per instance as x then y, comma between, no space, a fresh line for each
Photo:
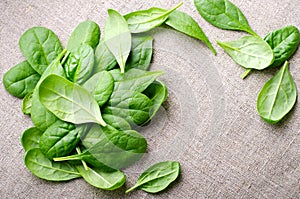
157,177
223,14
117,37
277,97
40,46
104,59
249,52
186,24
27,103
68,101
144,20
21,79
30,138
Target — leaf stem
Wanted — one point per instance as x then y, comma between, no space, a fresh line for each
246,73
82,161
71,157
131,189
65,57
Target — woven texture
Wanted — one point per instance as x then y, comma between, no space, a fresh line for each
209,122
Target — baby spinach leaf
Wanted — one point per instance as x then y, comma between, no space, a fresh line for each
80,64
115,149
40,46
117,37
284,43
102,178
117,122
61,138
46,169
223,14
141,52
277,97
21,79
104,59
27,103
157,177
68,101
30,138
101,86
186,24
87,32
144,20
249,52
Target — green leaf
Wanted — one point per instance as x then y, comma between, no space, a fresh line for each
284,43
40,46
104,59
46,169
157,177
141,52
80,64
144,20
102,178
30,138
87,32
277,97
68,101
117,37
61,138
21,79
184,23
27,103
249,52
117,122
101,86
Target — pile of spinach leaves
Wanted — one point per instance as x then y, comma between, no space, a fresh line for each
279,94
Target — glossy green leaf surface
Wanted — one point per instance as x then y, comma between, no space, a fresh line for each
87,32
144,20
104,59
117,37
30,138
249,52
157,177
68,101
284,43
184,23
46,169
223,14
21,79
277,97
40,46
117,122
27,103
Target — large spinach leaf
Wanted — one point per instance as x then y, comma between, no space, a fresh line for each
68,101
144,20
30,138
117,37
277,97
40,46
157,177
186,24
223,14
104,59
21,79
284,43
117,122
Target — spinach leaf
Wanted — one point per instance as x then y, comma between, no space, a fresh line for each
104,59
20,80
117,122
61,138
117,37
277,97
40,46
102,178
87,32
284,43
157,177
80,64
141,52
68,101
27,103
46,169
144,20
249,52
186,24
101,86
113,148
30,138
223,14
